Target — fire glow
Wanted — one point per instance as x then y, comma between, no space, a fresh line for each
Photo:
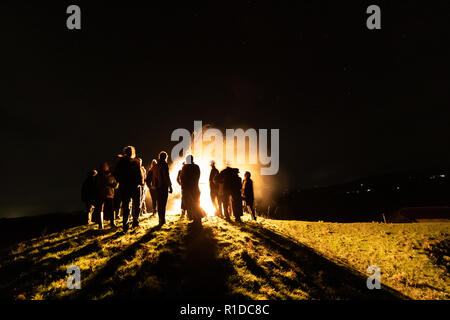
202,157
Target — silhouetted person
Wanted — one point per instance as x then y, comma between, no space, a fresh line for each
143,190
225,179
220,199
163,185
105,185
183,200
248,195
129,175
88,194
189,177
117,197
236,196
151,187
214,187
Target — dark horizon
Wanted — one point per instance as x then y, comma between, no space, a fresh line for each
349,102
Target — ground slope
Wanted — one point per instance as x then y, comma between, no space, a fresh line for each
263,260
413,257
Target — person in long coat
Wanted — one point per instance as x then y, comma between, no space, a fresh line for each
189,177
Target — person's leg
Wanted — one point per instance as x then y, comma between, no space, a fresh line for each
125,209
98,213
90,206
153,195
197,211
237,206
117,204
143,200
143,208
183,207
216,200
226,206
219,212
136,209
251,209
108,209
162,202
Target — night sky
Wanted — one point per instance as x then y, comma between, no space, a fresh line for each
349,102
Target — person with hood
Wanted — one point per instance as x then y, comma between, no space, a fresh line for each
129,175
105,185
163,185
151,187
88,194
248,195
189,178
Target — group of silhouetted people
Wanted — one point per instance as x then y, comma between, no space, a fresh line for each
228,191
107,193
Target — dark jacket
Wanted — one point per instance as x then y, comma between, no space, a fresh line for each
160,175
128,173
149,179
236,186
247,190
227,178
212,175
189,176
105,185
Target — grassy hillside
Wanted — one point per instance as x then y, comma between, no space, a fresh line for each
264,260
413,257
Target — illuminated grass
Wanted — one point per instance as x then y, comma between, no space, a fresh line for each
264,260
400,250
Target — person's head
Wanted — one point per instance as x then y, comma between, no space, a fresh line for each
140,161
154,162
247,175
104,167
189,159
92,173
212,163
162,156
129,151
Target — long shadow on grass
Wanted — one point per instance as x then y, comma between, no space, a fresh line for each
25,275
321,278
186,266
203,276
55,246
95,286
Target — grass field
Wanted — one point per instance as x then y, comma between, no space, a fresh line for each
413,257
265,260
